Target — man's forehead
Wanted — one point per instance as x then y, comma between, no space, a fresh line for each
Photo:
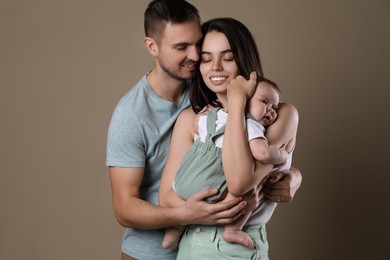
188,32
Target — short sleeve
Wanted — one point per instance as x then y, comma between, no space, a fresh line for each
254,129
125,145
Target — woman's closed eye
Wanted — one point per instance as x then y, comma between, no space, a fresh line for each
205,58
228,57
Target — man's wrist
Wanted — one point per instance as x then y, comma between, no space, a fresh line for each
180,216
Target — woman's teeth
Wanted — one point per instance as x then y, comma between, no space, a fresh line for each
217,78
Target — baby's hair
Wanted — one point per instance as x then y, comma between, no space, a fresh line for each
270,82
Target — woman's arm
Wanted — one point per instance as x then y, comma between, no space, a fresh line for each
237,159
182,140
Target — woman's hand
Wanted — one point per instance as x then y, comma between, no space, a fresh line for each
241,87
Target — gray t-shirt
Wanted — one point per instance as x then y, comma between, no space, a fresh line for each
138,137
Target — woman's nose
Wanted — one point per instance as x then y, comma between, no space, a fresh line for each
216,66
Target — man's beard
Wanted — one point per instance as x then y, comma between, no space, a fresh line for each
173,74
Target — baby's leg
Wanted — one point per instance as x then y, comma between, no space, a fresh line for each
233,233
172,237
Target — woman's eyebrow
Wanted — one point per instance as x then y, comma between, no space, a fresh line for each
224,51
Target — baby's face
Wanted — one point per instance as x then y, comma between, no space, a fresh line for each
264,103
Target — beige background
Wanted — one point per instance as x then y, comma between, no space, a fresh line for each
65,64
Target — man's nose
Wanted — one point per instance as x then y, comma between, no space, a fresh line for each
193,54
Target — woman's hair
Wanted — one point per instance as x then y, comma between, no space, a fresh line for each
245,54
160,12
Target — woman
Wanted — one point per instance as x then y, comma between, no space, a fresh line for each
228,50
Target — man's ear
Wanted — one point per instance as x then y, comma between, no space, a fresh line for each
151,46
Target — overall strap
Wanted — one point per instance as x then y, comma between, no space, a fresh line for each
211,118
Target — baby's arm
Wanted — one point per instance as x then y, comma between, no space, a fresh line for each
267,154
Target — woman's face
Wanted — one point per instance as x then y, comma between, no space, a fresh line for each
217,64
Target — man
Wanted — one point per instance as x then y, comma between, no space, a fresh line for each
140,131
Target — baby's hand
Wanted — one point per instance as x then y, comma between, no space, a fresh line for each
283,155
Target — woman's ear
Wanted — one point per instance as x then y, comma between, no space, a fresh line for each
151,46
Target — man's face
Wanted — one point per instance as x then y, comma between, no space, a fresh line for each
178,49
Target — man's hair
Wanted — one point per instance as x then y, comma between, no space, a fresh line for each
245,53
161,12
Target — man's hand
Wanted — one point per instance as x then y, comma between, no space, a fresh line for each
282,186
198,211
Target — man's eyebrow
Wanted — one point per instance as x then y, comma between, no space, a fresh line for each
180,44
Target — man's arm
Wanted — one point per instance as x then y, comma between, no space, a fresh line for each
131,211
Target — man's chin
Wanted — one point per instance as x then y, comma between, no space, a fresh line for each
182,76
188,74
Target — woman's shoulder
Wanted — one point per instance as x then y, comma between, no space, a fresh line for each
186,115
187,112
